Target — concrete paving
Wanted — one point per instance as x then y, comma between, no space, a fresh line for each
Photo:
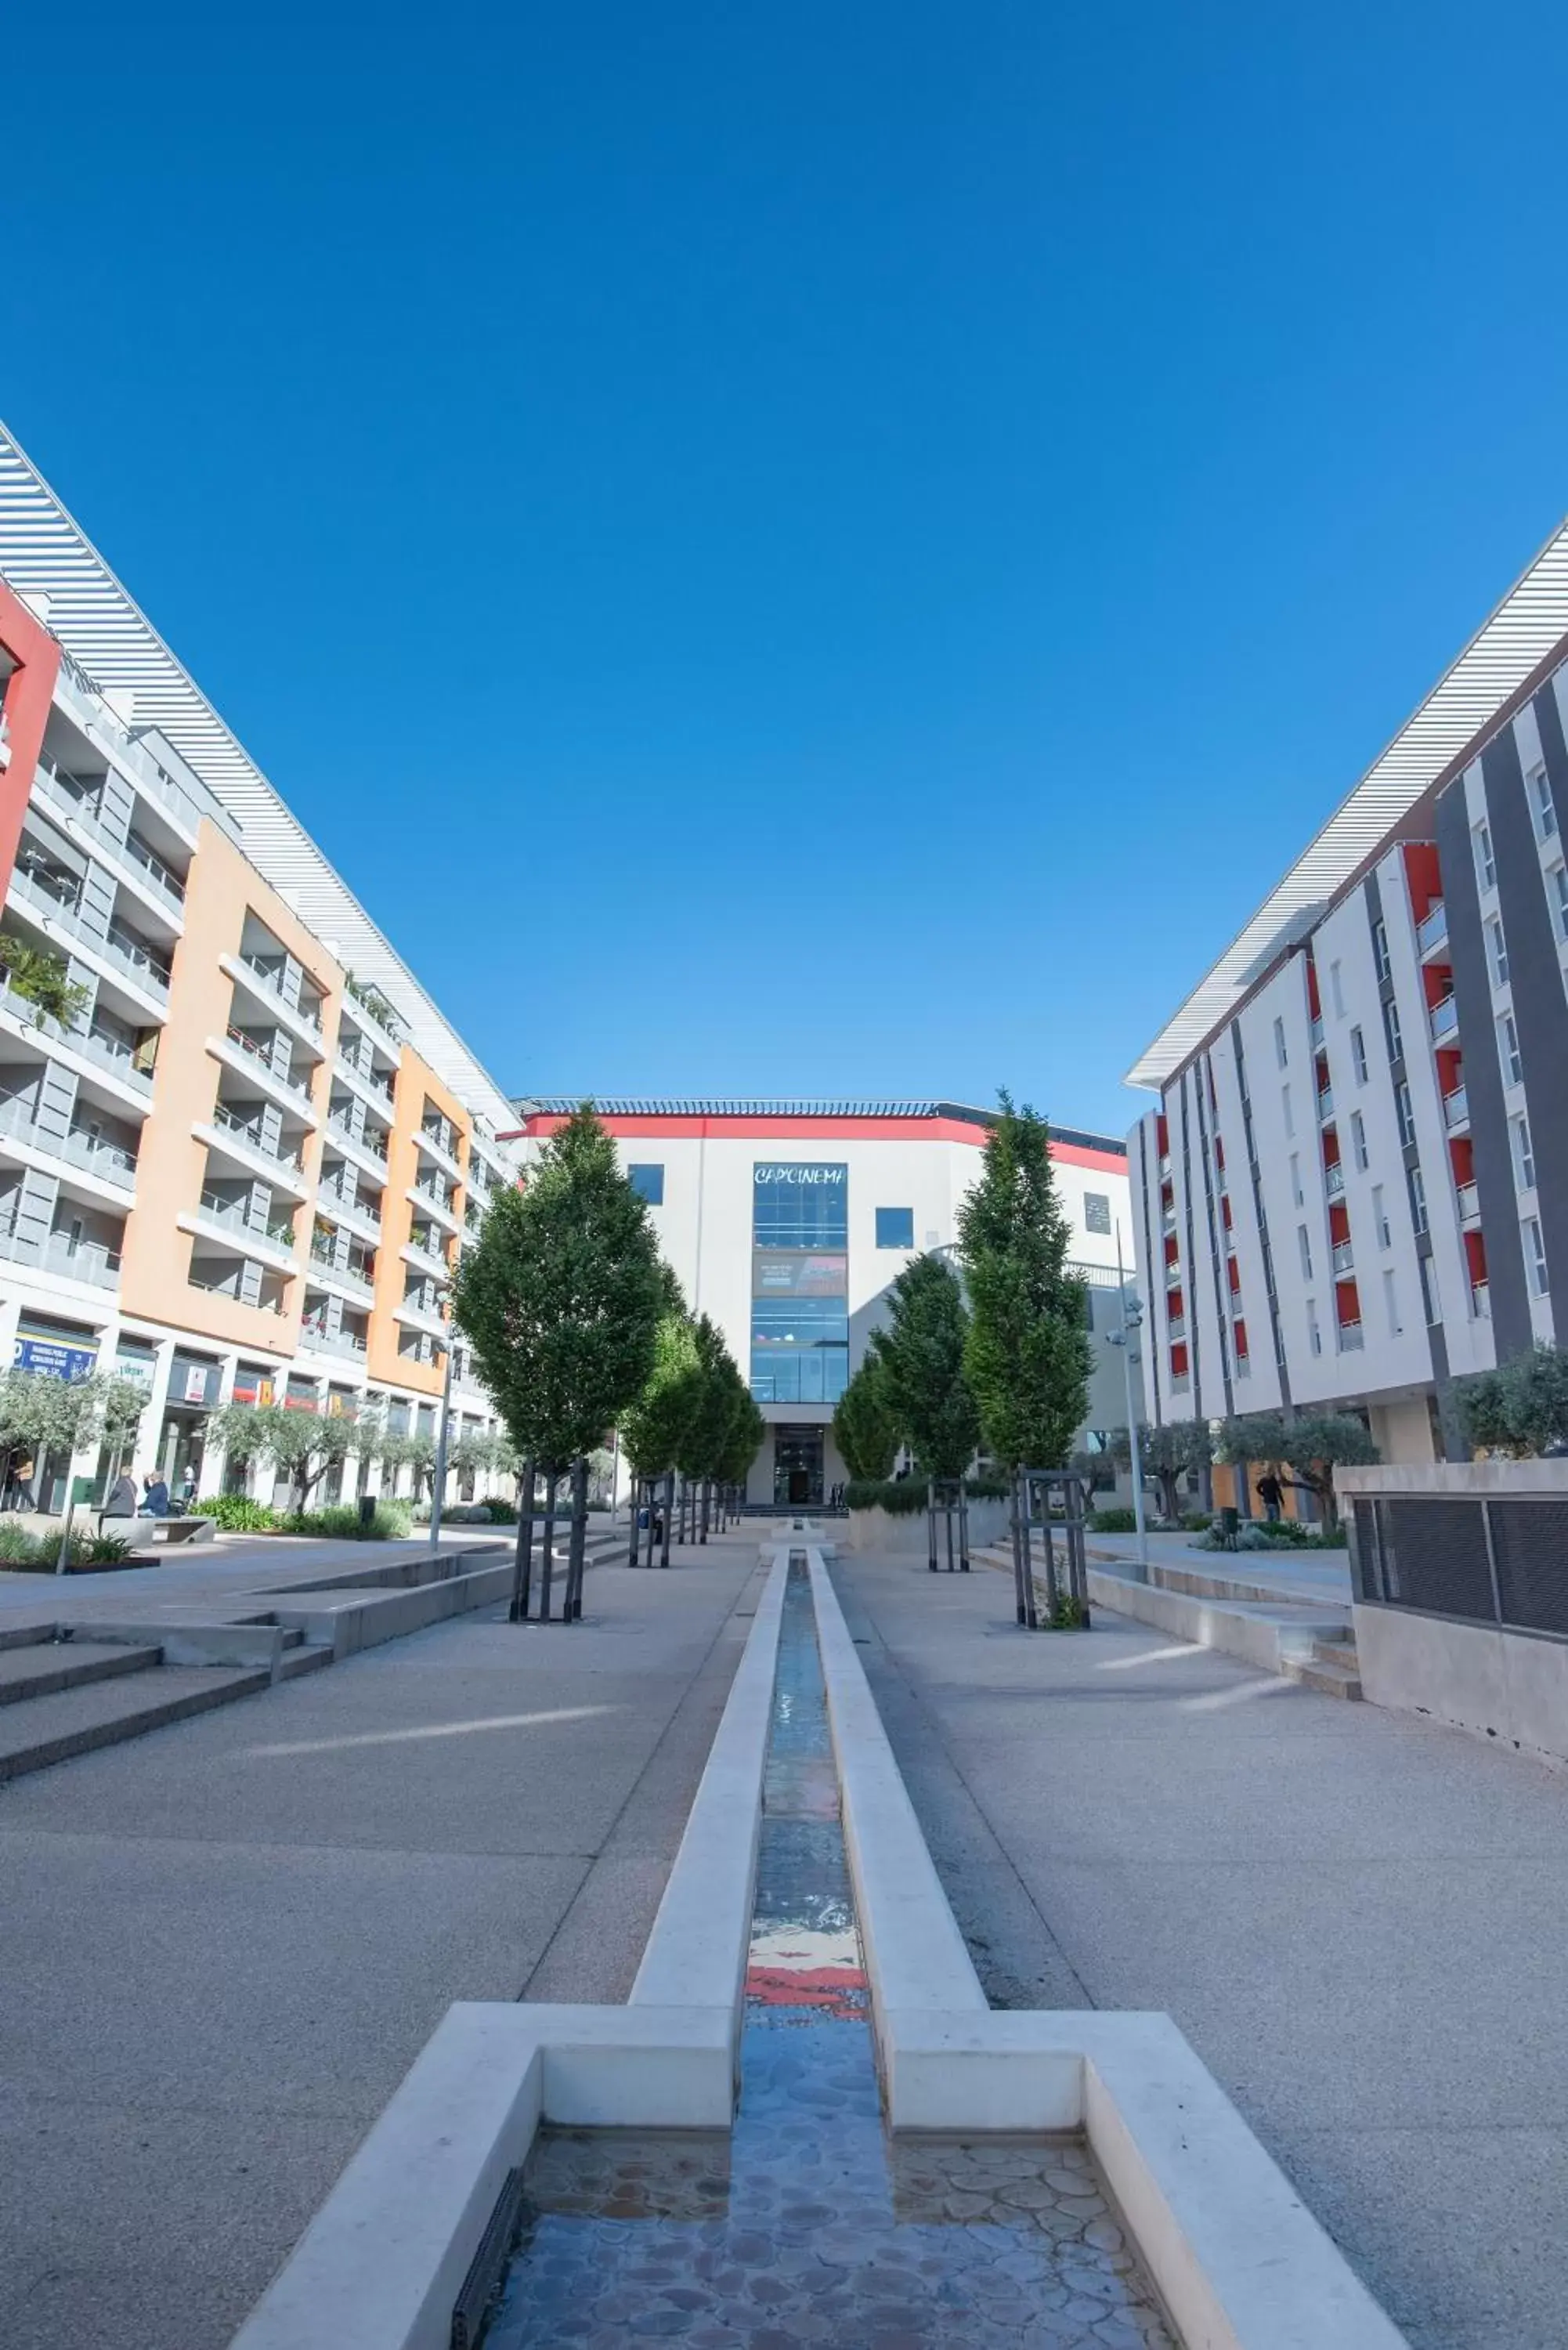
221,1947
1359,1918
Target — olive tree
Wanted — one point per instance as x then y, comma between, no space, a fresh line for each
1302,1453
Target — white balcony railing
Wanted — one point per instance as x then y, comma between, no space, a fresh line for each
1344,1257
1457,1107
1470,1203
1481,1300
109,1162
1433,930
1351,1339
1444,1018
1334,1179
1325,1102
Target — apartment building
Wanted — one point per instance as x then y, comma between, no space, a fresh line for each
1355,1186
239,1149
787,1221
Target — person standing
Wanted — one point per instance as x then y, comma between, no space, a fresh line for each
1271,1493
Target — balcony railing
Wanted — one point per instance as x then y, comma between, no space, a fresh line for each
263,1053
226,1286
364,1140
163,876
1344,1257
331,1342
1325,1101
1481,1300
231,1212
123,946
232,1122
1470,1203
1433,929
1350,1337
1444,1017
1457,1107
81,1260
1317,1032
1334,1179
1176,1327
1181,1381
365,1072
270,976
108,1160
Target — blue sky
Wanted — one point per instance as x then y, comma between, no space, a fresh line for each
815,550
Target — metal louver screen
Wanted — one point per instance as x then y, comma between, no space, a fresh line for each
1434,1557
1530,1541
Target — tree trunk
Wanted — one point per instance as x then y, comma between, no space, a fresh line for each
574,1556
547,1544
669,1513
522,1568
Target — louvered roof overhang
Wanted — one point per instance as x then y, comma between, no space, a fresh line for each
1528,626
44,551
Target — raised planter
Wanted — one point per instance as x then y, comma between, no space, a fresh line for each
893,1533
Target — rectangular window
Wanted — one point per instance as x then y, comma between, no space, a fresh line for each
1535,1256
1297,1180
1497,950
800,1281
1523,1154
1542,805
1380,1218
1508,1050
1285,1105
1358,1055
1098,1213
1306,1245
1557,882
647,1182
1486,863
1432,1303
1391,1029
1391,1304
1281,1055
1314,1336
1380,949
1358,1138
1406,1113
896,1228
1417,1199
1336,991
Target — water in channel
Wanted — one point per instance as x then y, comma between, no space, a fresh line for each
808,2224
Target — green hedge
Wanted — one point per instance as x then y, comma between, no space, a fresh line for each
22,1553
237,1514
1113,1521
902,1497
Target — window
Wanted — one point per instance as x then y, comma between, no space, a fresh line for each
800,1267
1391,1304
1281,1055
1336,991
1380,1218
1314,1336
1405,1111
1486,863
1537,784
1098,1213
1358,1055
1391,1029
1380,949
1306,1244
1417,1199
1285,1105
1535,1256
1297,1180
1507,1049
1358,1138
1523,1154
1432,1303
1497,950
896,1228
647,1182
1557,882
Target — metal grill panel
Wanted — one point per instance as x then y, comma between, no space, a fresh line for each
1530,1542
1434,1557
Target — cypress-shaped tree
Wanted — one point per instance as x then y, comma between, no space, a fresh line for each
922,1355
1027,1356
865,1425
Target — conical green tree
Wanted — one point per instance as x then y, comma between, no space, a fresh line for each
921,1353
1027,1355
865,1425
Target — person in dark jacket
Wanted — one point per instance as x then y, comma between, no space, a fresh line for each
1271,1493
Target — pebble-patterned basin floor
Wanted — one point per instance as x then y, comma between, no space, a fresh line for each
808,2224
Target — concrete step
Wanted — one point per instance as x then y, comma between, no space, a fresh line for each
1329,1678
42,1668
74,1721
1336,1652
25,1636
299,1659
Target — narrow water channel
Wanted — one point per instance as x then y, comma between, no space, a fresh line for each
808,2224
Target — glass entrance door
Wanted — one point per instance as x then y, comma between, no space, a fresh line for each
798,1467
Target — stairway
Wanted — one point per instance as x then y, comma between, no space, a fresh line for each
1332,1667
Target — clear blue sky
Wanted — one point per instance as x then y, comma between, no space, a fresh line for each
801,549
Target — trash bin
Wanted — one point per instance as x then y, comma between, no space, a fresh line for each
1229,1519
366,1509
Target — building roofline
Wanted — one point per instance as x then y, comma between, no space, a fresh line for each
45,553
1518,638
750,1115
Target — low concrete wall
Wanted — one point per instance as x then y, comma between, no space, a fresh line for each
1507,1685
1258,1633
893,1533
364,1618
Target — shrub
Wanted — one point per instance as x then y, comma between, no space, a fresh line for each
21,1552
1114,1522
901,1497
501,1513
1195,1522
237,1514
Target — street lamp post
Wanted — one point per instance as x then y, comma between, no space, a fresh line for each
438,1484
1132,1322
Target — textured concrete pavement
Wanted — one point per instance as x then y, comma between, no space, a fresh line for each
222,1946
1359,1920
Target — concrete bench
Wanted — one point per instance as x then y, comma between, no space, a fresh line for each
143,1532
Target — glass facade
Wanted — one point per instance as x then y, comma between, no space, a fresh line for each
800,1280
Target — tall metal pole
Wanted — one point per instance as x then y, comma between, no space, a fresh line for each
1129,1324
438,1488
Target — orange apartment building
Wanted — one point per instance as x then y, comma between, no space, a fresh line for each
242,1162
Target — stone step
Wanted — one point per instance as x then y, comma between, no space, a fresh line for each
74,1721
25,1636
1337,1652
41,1669
299,1659
1329,1678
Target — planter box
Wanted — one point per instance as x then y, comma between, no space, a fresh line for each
892,1534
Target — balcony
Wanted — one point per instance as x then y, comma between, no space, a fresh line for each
374,1145
1176,1327
241,1051
1315,1032
109,1161
1444,1018
1456,1108
350,1278
376,1090
331,1341
1481,1300
1468,1199
426,1260
226,1221
1180,1382
419,1316
148,970
442,1146
269,975
433,1199
1334,1179
1344,1257
1325,1103
240,1137
1351,1339
89,1261
343,1206
78,799
1433,930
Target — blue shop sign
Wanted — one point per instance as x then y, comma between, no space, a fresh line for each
55,1358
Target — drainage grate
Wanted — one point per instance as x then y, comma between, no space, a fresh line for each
472,2310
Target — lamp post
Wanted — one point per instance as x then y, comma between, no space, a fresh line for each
438,1484
1132,1322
